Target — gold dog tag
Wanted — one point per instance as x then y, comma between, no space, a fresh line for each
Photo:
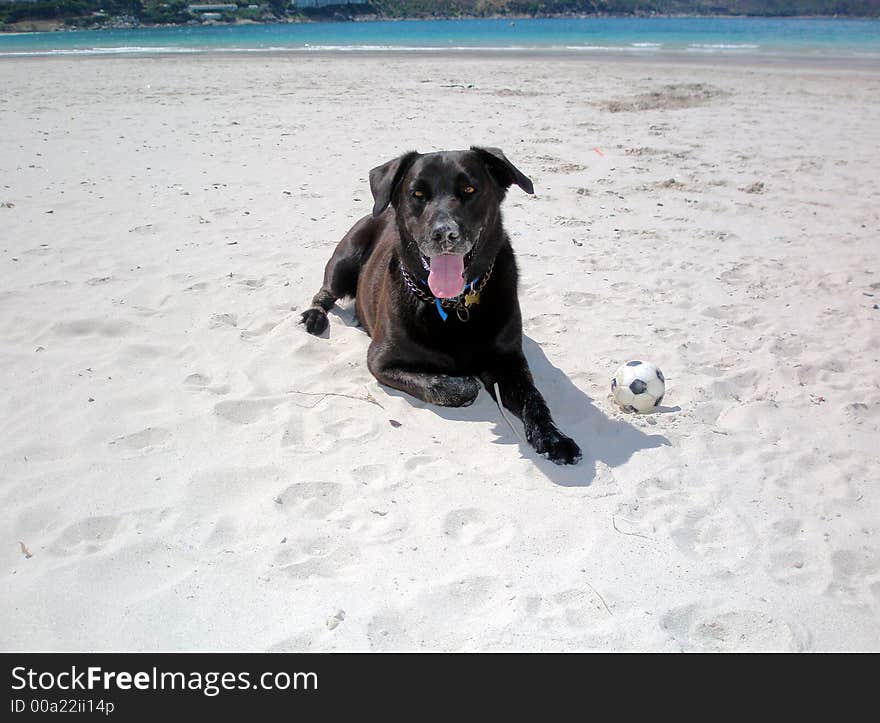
472,298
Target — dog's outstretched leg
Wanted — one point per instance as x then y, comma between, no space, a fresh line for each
444,390
341,274
520,396
441,389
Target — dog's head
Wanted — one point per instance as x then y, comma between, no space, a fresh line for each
448,208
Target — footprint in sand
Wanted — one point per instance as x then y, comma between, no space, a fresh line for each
656,504
321,556
310,499
418,461
87,536
300,643
709,531
245,411
715,533
200,382
462,596
382,523
578,608
460,601
545,324
261,330
428,467
346,431
221,320
146,438
376,477
197,381
790,562
414,626
853,571
473,526
579,298
91,327
387,632
294,432
695,629
224,534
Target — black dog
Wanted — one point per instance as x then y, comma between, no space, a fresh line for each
435,286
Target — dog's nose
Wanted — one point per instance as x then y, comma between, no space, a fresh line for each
445,232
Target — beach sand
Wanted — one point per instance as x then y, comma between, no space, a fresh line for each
182,467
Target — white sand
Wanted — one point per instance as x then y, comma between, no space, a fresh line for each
163,456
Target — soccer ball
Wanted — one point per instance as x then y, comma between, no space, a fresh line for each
638,386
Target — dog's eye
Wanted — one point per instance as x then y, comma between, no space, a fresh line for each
418,194
469,190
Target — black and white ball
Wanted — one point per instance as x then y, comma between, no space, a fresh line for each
638,386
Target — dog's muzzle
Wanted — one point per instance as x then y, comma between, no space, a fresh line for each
448,260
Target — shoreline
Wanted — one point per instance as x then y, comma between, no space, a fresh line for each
629,57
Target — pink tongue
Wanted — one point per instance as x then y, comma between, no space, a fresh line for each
445,277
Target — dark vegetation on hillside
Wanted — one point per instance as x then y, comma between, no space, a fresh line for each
158,12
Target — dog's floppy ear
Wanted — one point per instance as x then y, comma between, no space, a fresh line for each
502,170
384,180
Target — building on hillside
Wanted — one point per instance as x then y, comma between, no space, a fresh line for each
324,3
213,8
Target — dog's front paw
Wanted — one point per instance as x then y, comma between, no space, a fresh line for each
558,448
564,451
315,320
449,391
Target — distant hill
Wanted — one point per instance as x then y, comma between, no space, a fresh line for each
490,8
452,8
44,14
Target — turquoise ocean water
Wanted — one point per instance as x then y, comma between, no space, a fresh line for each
771,37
